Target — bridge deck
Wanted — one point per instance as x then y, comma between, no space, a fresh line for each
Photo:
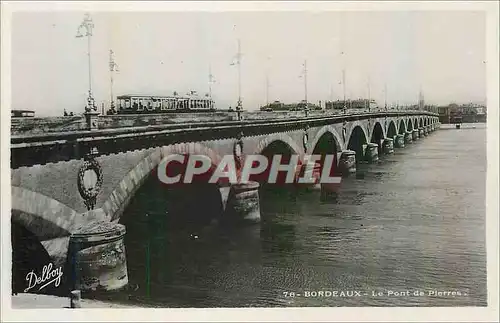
60,146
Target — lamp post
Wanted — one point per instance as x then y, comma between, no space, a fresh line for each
385,96
343,86
306,107
91,109
239,105
113,67
267,82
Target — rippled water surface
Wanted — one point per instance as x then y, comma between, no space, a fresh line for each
413,222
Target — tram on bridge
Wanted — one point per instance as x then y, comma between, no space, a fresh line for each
133,104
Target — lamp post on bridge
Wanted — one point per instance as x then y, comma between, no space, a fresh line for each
90,109
113,67
306,107
239,104
343,87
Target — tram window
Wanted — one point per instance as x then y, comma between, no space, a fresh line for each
127,104
135,104
141,105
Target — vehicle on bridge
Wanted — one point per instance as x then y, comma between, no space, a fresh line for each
132,104
351,104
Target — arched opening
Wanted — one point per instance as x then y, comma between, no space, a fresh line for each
275,148
421,123
165,226
391,131
402,127
377,136
356,142
410,125
327,145
29,255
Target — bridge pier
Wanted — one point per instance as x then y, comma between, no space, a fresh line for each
414,135
408,137
97,257
347,162
426,130
399,141
243,203
421,133
388,146
371,153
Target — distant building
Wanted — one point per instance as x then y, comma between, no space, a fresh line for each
280,106
22,114
454,113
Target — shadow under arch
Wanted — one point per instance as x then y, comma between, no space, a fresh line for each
410,124
377,136
356,141
272,149
402,127
166,226
391,130
327,144
29,257
120,197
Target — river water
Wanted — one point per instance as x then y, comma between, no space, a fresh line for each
413,223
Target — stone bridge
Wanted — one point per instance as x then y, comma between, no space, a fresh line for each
48,170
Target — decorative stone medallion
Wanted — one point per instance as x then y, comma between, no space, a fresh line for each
89,182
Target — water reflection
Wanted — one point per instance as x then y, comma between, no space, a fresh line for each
409,222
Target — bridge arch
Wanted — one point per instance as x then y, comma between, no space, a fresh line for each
402,127
357,138
32,210
279,137
377,134
120,197
40,231
391,130
409,126
328,129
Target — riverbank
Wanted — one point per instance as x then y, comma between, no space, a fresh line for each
478,125
35,301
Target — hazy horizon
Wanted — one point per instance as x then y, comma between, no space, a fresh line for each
440,52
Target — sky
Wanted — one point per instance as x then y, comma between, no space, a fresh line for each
441,53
